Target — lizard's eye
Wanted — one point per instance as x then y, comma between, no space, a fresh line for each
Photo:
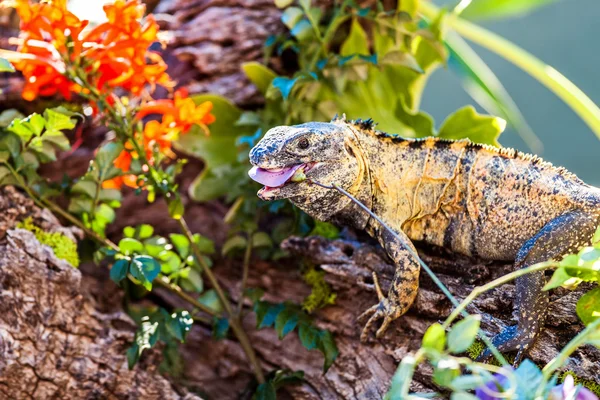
303,143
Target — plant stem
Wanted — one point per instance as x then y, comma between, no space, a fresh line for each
246,268
576,342
234,321
545,74
490,285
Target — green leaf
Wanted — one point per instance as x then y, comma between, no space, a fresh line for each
4,175
418,124
286,321
129,246
302,30
284,85
216,182
463,396
463,334
22,130
309,336
105,156
6,66
266,313
435,338
36,123
328,348
220,328
401,379
204,244
211,300
193,281
8,116
261,239
265,391
559,278
588,306
144,231
291,16
467,382
260,75
445,371
356,42
119,270
181,243
283,3
145,269
85,187
497,9
180,324
408,6
233,243
466,123
56,120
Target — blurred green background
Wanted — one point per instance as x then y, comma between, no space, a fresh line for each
565,35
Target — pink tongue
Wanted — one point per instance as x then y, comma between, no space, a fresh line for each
270,178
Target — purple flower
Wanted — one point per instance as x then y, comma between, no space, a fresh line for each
568,391
493,389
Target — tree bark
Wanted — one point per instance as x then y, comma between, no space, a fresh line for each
54,343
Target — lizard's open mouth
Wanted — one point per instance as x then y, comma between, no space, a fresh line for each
275,178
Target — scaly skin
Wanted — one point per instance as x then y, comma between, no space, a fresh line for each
477,200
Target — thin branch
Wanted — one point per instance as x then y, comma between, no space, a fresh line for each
246,268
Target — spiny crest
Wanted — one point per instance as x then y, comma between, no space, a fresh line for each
362,124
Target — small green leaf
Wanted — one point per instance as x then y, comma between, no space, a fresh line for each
129,246
328,348
309,336
261,239
463,334
356,42
220,328
56,120
8,116
36,123
291,16
463,396
180,324
181,243
266,313
233,243
559,278
265,391
85,187
284,85
211,300
435,338
286,321
302,30
401,379
283,3
260,75
129,231
133,355
467,382
144,231
466,123
145,269
445,371
6,66
193,281
119,270
588,306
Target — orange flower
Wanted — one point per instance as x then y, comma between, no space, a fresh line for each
181,112
113,54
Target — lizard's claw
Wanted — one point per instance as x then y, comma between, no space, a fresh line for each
381,310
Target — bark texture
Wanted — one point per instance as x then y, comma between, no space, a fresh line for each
54,344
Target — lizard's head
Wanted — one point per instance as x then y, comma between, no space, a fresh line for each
288,158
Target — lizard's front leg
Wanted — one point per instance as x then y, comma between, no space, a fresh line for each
404,287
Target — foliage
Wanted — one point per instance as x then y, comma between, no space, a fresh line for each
63,247
159,326
321,294
285,317
279,378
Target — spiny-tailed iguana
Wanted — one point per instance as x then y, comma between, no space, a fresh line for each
478,200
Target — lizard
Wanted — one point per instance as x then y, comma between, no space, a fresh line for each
474,199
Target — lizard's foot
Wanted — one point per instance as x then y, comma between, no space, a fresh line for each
511,339
384,309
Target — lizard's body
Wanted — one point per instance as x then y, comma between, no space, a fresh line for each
496,204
